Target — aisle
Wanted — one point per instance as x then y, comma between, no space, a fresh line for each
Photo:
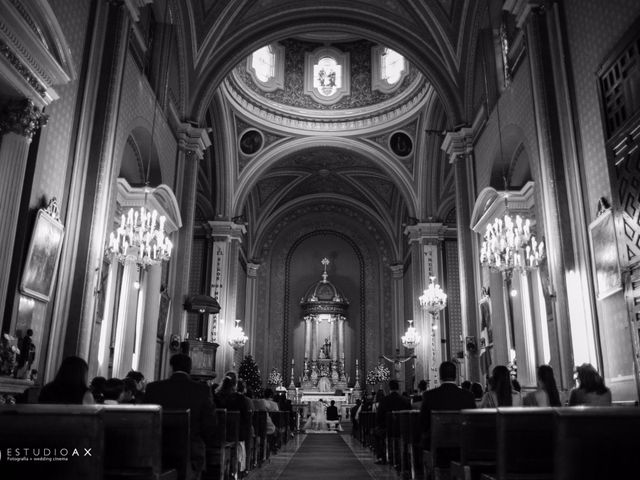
323,457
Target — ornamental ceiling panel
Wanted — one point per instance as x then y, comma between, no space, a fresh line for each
269,186
293,94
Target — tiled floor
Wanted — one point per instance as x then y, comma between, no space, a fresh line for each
278,463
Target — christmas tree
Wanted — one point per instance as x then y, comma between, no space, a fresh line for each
250,373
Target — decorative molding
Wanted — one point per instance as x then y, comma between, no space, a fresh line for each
426,231
161,199
193,139
22,117
490,204
226,230
252,269
458,144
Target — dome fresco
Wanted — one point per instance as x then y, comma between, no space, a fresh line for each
361,94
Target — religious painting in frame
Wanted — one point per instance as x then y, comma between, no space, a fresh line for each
43,255
604,249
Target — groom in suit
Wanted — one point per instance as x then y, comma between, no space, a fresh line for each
447,396
181,392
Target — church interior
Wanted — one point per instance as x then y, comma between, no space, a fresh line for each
344,191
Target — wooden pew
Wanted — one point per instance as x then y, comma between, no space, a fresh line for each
176,441
133,442
478,444
217,456
393,440
445,442
260,431
525,443
406,420
233,442
52,427
415,450
596,443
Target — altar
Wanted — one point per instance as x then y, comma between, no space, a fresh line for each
324,310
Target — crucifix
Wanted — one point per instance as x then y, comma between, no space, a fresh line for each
397,361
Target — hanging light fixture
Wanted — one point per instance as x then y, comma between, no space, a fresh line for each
237,338
411,338
433,299
509,245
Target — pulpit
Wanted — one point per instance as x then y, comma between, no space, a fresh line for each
203,358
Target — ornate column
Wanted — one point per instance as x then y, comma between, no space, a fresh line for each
126,320
226,249
19,121
307,337
251,305
425,241
314,338
552,192
104,345
192,143
459,147
397,275
147,355
333,333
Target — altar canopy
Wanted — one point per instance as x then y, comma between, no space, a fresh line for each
324,309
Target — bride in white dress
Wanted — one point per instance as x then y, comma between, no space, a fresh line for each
318,418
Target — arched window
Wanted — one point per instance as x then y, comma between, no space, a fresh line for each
266,67
391,66
388,69
263,62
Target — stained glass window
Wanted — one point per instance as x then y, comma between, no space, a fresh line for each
391,66
263,62
327,76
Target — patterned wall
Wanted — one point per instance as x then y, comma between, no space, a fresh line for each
452,287
54,154
593,29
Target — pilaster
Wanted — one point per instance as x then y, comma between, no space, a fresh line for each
226,237
425,241
149,334
459,148
19,121
397,285
126,320
251,305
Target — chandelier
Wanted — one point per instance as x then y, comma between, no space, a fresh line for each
411,339
237,338
141,237
509,245
433,299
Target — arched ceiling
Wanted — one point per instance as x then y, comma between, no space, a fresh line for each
343,153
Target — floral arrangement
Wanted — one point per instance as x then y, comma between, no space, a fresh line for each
380,373
9,352
275,378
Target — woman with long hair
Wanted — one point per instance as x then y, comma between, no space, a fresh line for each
546,394
501,394
591,389
69,385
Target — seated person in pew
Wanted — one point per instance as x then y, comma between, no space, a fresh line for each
181,392
546,395
591,389
416,400
478,392
69,385
501,393
391,403
113,391
447,396
228,397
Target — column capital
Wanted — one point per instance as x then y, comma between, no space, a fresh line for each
226,231
521,9
21,117
252,269
426,231
193,139
458,144
397,271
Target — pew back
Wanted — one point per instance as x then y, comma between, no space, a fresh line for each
478,436
132,440
52,432
176,441
525,441
596,443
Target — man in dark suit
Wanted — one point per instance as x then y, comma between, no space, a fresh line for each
333,419
391,403
181,392
447,396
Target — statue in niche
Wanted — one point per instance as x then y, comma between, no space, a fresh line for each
325,350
